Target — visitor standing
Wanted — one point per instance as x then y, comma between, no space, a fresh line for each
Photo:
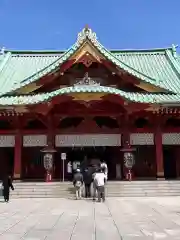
69,170
94,183
7,184
99,180
87,177
104,168
78,183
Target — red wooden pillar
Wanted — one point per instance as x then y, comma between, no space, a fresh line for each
159,153
125,132
50,137
17,156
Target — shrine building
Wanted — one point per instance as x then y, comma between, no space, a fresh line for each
90,102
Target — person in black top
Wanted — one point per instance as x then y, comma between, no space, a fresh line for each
7,183
87,176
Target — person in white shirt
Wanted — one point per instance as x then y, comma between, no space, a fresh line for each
99,181
104,167
94,184
69,171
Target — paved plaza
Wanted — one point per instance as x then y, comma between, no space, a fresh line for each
68,219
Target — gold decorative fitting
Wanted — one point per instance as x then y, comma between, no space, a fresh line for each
87,104
87,62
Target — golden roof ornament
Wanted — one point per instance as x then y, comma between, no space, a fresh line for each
86,27
86,33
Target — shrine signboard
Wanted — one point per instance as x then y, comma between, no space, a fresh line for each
63,156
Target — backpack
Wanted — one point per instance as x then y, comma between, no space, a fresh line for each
78,184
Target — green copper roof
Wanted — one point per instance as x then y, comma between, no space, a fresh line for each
19,67
134,97
157,67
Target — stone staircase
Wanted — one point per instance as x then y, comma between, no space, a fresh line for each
143,189
113,189
42,190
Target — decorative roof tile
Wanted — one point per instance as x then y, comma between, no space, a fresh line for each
20,66
133,97
159,67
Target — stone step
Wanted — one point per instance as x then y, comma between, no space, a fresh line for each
130,184
109,183
143,195
107,189
110,187
136,187
109,195
141,186
110,190
113,189
41,194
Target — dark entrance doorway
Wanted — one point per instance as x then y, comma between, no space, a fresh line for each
32,164
7,161
87,156
145,162
169,163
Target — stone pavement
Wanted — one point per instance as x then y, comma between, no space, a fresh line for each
68,219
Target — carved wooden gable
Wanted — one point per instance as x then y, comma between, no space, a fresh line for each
86,80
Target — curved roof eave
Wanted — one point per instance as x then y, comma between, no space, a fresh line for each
147,98
86,34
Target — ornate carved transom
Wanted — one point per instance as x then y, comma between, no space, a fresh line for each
86,80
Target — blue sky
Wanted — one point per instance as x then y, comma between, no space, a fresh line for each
119,24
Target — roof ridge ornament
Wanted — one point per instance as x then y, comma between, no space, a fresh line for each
2,51
86,33
174,52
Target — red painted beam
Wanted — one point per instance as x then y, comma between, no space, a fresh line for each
80,114
61,99
42,108
8,132
34,131
130,79
115,99
51,76
65,66
142,130
62,131
46,79
137,107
